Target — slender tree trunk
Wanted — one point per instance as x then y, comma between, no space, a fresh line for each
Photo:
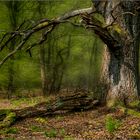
13,16
43,70
41,11
10,78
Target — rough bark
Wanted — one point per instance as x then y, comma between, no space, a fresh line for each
74,102
120,67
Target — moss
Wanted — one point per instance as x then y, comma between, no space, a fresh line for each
130,111
114,103
35,128
4,111
100,19
135,104
8,120
118,29
133,112
110,103
10,117
42,25
9,131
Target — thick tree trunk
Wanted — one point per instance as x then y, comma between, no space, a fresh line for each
120,74
120,66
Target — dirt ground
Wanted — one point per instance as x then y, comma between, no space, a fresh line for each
84,125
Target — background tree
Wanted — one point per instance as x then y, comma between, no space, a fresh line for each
41,8
13,14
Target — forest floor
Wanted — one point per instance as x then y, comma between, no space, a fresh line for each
96,124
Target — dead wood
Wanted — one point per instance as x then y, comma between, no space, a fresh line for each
72,102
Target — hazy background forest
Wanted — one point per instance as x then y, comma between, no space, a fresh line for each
71,57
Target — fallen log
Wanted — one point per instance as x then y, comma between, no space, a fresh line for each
73,102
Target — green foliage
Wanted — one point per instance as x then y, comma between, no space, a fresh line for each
135,104
51,133
35,128
41,120
62,132
11,130
10,117
132,112
8,120
54,133
4,111
111,124
25,101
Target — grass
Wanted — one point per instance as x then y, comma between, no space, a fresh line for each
11,130
35,128
21,102
112,124
51,133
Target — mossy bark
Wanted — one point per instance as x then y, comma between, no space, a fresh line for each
74,102
7,118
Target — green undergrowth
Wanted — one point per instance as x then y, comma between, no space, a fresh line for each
112,124
135,104
133,108
133,112
52,133
11,130
35,128
27,101
17,103
8,120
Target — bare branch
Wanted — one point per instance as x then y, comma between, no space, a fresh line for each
16,49
44,37
42,24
